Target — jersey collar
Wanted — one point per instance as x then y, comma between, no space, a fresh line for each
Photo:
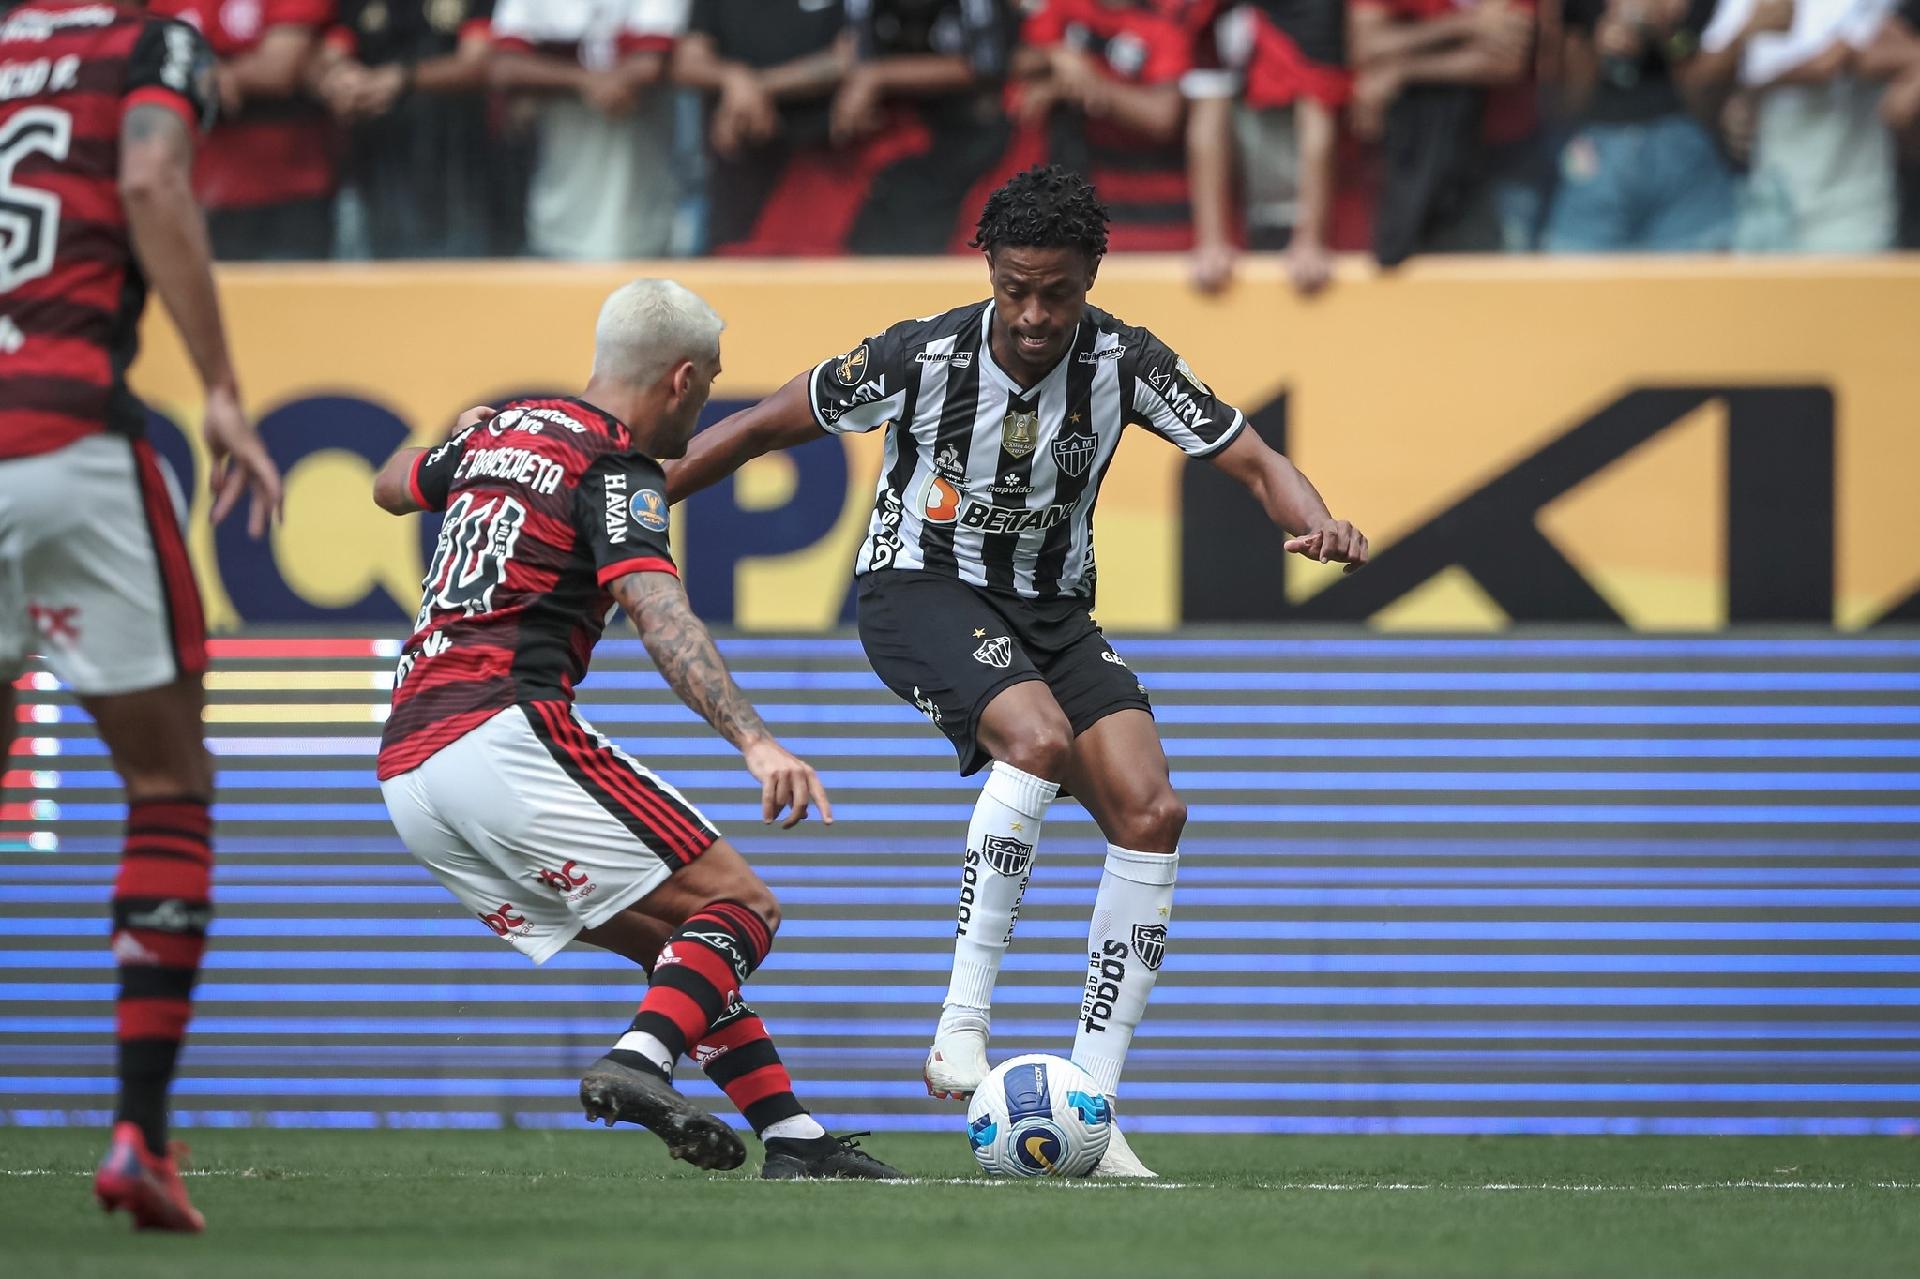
1005,378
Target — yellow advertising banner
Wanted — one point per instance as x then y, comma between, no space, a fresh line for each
1664,445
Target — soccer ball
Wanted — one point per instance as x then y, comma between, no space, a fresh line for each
1039,1116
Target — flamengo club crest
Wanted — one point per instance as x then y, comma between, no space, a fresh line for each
1150,943
1019,433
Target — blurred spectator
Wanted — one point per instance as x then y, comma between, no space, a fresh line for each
923,101
771,67
409,78
1641,174
1821,173
1894,56
266,172
1445,89
604,184
1101,90
1285,63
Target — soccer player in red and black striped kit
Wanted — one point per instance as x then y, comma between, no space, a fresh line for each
555,512
100,105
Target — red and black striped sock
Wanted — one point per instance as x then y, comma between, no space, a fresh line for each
699,972
739,1057
161,907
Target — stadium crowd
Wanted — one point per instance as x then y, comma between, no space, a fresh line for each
609,129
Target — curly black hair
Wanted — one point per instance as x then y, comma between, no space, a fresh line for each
1045,207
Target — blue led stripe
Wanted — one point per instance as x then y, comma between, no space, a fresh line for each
1232,681
928,746
1352,647
792,1024
788,963
933,779
960,814
1328,898
910,1089
1166,994
1241,930
784,876
1074,838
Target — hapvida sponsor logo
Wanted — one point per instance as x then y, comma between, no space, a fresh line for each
616,495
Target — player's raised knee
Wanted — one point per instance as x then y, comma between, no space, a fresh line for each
758,898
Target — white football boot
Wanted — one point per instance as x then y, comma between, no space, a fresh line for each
956,1063
1120,1161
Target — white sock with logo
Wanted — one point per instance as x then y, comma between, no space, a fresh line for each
1125,944
1000,844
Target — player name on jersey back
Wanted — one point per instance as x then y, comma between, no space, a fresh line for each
547,503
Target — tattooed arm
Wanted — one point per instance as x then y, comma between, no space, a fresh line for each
685,655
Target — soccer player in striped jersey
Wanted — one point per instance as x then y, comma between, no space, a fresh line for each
100,109
976,584
543,828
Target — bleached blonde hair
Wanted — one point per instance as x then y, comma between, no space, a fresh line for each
649,326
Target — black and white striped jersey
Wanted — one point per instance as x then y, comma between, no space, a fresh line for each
991,483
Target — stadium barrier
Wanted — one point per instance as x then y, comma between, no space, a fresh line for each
1661,445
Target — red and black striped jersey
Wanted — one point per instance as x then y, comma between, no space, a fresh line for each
1272,53
71,292
547,503
1147,44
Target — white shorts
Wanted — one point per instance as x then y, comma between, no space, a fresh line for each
94,575
542,827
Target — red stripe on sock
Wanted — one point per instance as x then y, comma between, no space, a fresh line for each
184,845
711,966
153,1018
168,950
161,877
758,1085
185,814
745,921
678,1008
738,1035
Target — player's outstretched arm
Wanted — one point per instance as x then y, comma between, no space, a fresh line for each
393,484
170,240
1292,503
780,421
685,655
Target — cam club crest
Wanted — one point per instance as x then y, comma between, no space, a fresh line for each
1008,856
1073,454
1150,943
1020,432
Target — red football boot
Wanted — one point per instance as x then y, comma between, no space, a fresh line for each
148,1186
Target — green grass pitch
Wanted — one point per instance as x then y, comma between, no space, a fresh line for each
428,1204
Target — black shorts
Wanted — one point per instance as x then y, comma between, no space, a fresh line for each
948,648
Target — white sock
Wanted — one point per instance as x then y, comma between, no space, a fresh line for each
639,1041
801,1126
1125,944
1000,843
